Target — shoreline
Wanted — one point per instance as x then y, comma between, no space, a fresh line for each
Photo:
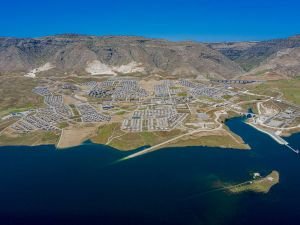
278,139
275,137
131,150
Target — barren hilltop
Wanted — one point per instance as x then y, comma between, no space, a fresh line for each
113,55
99,55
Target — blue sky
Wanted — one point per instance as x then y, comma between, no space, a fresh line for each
203,20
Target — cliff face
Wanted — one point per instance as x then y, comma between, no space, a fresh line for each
115,55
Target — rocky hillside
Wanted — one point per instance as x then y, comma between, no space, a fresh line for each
232,50
113,55
250,55
284,63
116,55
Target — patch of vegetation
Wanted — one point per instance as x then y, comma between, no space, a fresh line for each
262,72
227,97
262,185
49,137
131,141
209,141
182,94
289,88
174,87
246,97
63,125
120,113
35,138
75,111
105,132
16,95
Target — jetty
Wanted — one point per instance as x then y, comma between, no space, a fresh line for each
294,150
275,137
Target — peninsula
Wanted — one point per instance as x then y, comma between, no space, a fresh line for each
259,185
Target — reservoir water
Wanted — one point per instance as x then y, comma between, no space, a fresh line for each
40,185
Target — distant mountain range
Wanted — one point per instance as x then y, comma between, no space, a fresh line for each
117,55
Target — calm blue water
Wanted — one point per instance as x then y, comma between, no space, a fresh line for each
39,185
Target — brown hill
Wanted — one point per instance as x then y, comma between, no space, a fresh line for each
250,55
114,55
282,64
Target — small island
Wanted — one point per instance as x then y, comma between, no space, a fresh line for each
258,185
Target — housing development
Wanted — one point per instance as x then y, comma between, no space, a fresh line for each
184,110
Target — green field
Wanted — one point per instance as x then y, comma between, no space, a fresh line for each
289,88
